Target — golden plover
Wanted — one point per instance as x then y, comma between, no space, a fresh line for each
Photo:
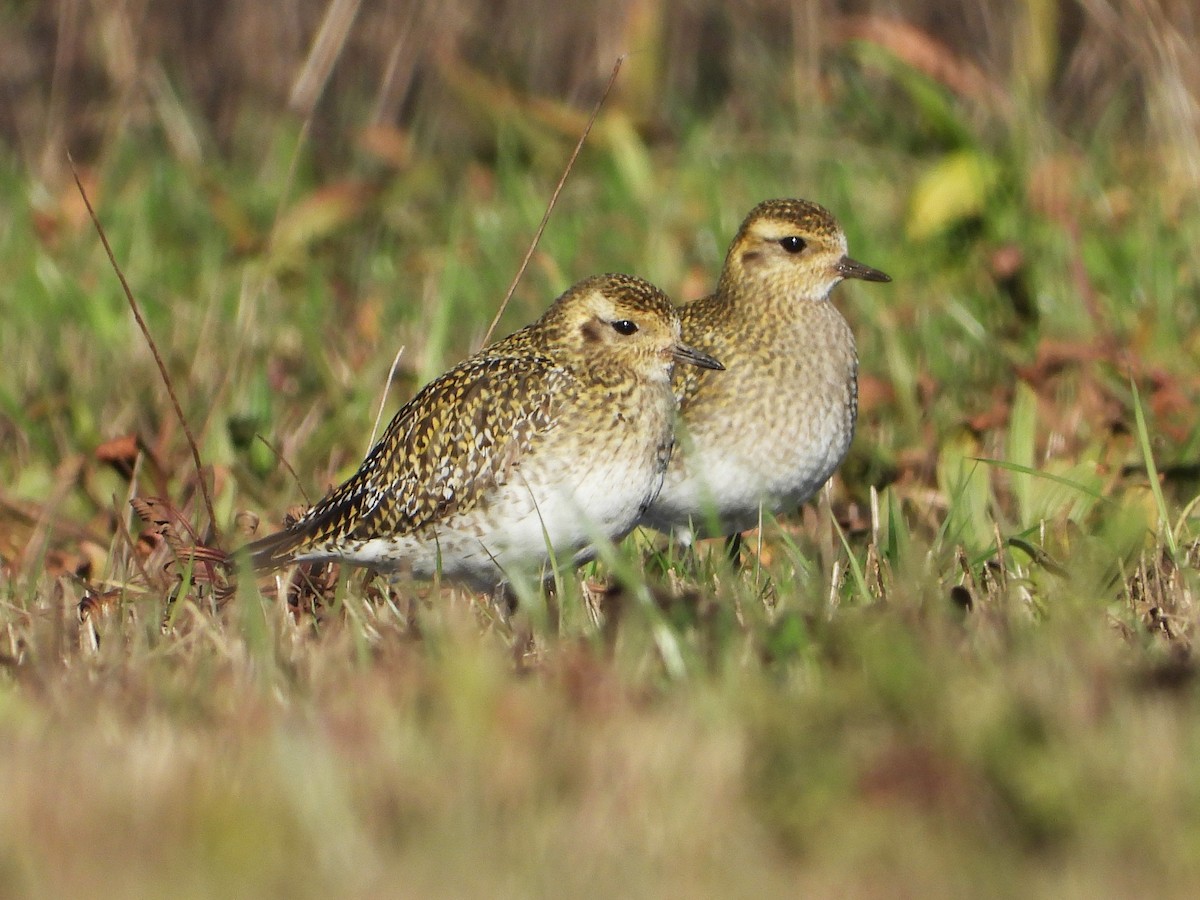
531,450
773,427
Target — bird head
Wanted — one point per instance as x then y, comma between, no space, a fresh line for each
620,321
793,248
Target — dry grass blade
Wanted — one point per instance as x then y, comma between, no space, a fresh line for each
287,465
91,608
195,564
383,400
308,87
537,236
158,360
171,524
173,527
1143,436
326,48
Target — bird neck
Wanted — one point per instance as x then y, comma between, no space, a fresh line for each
611,377
777,301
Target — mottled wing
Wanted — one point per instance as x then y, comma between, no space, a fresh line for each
443,453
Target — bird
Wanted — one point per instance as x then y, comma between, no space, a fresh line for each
519,458
769,432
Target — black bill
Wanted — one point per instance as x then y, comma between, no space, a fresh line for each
852,268
684,353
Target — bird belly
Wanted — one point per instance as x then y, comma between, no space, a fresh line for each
572,510
719,486
540,518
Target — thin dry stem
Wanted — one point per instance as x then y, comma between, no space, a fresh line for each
287,465
158,360
537,236
383,400
326,49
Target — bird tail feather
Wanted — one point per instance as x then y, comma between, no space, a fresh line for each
275,550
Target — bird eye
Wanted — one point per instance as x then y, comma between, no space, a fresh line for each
792,244
624,326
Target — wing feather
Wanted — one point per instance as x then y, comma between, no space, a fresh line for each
441,455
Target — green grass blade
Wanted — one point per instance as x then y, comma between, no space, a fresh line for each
1143,436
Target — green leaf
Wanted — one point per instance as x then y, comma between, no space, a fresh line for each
956,188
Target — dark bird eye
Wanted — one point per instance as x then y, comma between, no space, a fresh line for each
624,326
792,244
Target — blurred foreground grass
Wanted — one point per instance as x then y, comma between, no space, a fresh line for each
968,670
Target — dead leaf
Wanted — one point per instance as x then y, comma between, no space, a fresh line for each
923,52
120,452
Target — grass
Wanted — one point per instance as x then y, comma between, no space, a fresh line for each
966,669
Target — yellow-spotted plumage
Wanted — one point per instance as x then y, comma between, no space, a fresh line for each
777,423
537,446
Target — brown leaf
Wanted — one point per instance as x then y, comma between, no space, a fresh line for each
96,604
997,413
167,521
923,52
1052,356
390,145
873,393
59,562
208,565
120,452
